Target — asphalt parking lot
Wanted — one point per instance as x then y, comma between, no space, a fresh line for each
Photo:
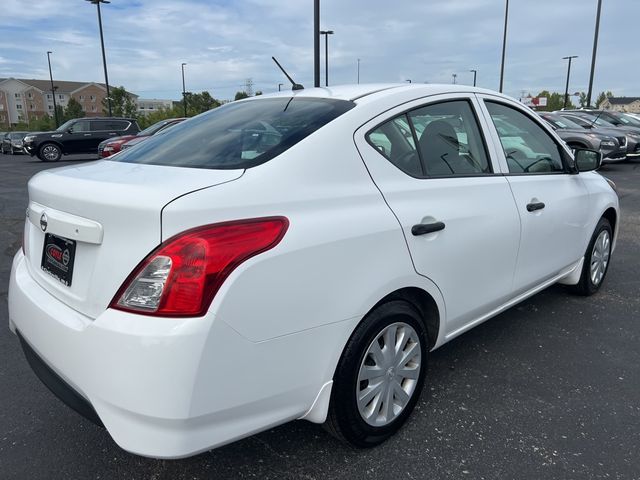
548,389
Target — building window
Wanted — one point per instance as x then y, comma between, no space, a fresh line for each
48,96
31,107
93,108
18,106
50,107
61,97
1,106
17,95
92,98
29,95
82,98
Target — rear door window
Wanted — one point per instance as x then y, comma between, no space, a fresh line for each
239,134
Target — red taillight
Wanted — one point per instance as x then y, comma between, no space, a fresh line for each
181,277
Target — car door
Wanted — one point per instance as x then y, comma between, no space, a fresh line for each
432,165
551,198
102,130
78,139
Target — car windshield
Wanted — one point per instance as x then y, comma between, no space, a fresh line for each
65,126
239,134
561,122
629,120
153,128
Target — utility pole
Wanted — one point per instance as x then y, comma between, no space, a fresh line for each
104,58
53,91
454,75
566,89
475,74
593,56
504,45
358,71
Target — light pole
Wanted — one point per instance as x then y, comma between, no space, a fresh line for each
504,44
358,71
475,74
184,92
454,75
593,56
316,43
408,80
53,91
280,86
104,58
326,34
566,89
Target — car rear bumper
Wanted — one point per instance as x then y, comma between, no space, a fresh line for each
166,388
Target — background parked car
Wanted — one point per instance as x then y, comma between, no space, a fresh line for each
80,135
140,138
112,146
627,137
13,142
576,136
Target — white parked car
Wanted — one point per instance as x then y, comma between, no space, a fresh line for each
297,256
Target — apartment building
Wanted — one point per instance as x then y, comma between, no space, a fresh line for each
620,104
24,100
149,105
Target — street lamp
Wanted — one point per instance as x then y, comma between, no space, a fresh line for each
454,75
358,70
326,34
53,91
504,44
566,89
593,56
316,43
408,80
104,58
184,92
475,74
280,86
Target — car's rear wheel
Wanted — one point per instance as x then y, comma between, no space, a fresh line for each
49,152
380,375
596,259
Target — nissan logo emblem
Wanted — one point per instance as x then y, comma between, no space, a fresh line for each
43,222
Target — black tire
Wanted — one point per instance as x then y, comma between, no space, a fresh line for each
49,152
344,420
586,286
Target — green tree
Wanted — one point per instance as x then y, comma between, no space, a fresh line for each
582,100
241,95
73,110
43,124
602,97
259,92
122,103
200,102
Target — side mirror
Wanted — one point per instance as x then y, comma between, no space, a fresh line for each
70,130
587,160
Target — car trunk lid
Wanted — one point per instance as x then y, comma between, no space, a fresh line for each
111,212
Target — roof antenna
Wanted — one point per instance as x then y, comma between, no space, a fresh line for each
295,86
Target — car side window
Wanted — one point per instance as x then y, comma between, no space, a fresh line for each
395,141
116,125
527,147
80,126
441,139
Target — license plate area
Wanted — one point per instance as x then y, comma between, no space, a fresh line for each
58,255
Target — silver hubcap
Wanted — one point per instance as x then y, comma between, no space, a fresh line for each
388,374
600,257
50,152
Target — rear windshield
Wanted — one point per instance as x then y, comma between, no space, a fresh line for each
237,135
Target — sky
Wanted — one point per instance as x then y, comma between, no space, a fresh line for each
225,42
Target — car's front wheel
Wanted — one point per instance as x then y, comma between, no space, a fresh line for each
596,259
380,375
50,152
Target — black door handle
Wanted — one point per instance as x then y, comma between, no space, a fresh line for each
424,228
532,207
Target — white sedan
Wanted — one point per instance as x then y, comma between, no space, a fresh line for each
297,256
